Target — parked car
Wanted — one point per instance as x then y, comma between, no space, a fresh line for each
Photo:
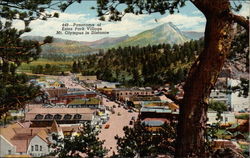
133,118
114,106
131,122
130,110
106,126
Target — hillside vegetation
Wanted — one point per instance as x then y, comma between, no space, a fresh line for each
150,65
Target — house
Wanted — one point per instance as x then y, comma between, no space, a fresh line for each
238,103
6,145
18,140
43,117
31,141
227,117
93,103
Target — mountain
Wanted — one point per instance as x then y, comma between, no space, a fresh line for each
40,39
62,46
106,42
166,33
193,35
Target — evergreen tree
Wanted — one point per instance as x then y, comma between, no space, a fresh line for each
86,144
14,90
139,141
74,67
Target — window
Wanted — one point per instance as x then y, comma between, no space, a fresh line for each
41,148
32,148
48,116
67,117
39,117
9,152
77,116
36,147
57,117
226,119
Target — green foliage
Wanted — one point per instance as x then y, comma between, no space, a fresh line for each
14,90
219,107
138,141
86,143
115,13
150,65
47,69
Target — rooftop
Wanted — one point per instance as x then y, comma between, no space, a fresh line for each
92,101
155,122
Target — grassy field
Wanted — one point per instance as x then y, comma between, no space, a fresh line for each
64,65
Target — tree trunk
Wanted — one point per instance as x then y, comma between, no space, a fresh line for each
202,77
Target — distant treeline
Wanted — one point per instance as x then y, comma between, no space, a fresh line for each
47,70
150,65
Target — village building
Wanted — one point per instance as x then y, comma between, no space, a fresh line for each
220,96
125,93
17,140
43,117
93,103
164,110
227,117
77,95
56,92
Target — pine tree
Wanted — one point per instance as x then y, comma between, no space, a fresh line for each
86,144
74,67
14,90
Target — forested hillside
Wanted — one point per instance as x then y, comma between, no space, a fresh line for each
150,65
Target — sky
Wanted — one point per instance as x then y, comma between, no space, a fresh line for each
188,19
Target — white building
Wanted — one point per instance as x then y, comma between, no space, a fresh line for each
16,139
38,145
238,103
227,117
6,147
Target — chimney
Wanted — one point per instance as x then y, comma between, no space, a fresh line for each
31,131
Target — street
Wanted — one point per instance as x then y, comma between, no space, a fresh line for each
116,125
116,122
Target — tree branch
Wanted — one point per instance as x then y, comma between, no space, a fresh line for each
242,21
